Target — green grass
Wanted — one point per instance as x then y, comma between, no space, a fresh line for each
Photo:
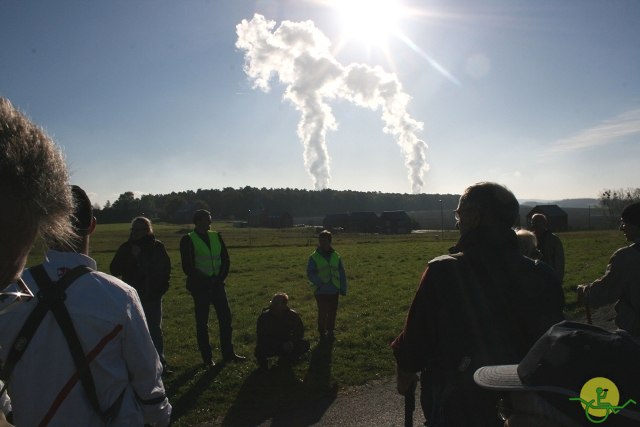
383,273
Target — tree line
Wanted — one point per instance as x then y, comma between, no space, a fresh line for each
616,200
240,203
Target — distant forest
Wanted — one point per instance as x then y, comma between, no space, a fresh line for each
241,203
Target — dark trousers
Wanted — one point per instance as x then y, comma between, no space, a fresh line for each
202,299
327,310
153,313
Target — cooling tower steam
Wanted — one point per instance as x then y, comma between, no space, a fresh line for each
298,54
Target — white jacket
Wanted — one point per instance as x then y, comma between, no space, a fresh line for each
109,320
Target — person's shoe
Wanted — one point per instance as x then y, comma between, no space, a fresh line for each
210,364
235,358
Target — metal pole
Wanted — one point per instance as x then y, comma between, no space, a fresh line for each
441,220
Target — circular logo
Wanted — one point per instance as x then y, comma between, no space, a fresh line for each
600,392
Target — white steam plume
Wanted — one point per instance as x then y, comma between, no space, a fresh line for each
299,55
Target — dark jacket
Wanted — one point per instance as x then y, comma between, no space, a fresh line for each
485,304
196,279
275,330
148,272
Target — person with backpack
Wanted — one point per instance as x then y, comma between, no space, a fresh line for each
80,353
621,280
143,262
36,201
483,304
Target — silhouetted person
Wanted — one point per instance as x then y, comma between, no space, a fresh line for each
143,262
326,275
205,261
280,333
621,280
549,245
483,303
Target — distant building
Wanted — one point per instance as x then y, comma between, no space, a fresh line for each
557,218
270,220
364,222
334,222
395,222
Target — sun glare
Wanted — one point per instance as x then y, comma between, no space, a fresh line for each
368,21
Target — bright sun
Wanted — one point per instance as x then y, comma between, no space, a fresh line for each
368,21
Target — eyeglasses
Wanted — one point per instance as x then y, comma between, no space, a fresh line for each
504,407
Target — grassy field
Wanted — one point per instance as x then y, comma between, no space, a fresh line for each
383,273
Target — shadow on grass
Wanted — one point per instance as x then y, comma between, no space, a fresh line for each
188,400
279,396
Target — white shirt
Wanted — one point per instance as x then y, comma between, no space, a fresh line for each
108,318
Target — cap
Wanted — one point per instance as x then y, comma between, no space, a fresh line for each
566,357
631,214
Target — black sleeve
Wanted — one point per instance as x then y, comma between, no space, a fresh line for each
123,262
226,262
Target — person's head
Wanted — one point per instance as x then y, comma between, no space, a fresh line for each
34,191
202,220
539,223
279,303
571,361
486,204
140,227
528,243
82,221
324,240
630,222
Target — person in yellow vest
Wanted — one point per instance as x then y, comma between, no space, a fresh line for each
328,280
205,261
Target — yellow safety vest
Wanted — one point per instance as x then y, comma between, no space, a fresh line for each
328,271
208,260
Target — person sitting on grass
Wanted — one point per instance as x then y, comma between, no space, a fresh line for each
280,333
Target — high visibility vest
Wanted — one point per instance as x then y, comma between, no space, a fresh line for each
208,260
328,271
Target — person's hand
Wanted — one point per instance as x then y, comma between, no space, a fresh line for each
405,381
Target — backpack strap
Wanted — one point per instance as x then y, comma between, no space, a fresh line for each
32,323
53,297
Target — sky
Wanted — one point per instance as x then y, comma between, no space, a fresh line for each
421,97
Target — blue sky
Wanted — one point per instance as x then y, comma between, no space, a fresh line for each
152,96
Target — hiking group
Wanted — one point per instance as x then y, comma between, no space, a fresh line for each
485,329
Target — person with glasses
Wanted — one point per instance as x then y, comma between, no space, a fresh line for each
36,201
143,262
484,303
621,280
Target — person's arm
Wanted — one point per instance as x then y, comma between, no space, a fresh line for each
410,348
312,274
123,261
226,261
343,279
144,366
608,288
160,269
297,327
